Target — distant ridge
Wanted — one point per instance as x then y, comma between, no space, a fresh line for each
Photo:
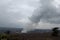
12,30
40,31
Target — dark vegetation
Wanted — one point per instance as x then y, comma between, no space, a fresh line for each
54,35
55,31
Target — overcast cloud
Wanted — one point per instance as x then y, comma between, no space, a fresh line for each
18,13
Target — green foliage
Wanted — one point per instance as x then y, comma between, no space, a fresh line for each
3,36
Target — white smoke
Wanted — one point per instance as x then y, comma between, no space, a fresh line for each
29,27
45,12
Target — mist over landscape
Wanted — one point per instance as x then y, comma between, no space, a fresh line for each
30,14
29,19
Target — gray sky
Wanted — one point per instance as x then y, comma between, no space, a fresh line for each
18,13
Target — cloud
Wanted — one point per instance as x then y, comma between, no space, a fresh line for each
46,13
19,13
50,13
13,11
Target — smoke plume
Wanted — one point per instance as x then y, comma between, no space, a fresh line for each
46,12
